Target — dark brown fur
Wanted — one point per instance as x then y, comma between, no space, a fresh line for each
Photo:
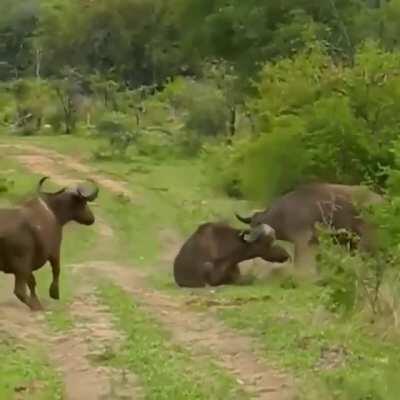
212,253
31,235
295,215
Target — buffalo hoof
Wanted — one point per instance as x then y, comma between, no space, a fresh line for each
54,292
36,305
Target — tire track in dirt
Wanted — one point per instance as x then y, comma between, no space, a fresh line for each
70,352
202,334
42,158
93,332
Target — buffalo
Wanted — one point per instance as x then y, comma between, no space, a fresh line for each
295,216
31,235
211,255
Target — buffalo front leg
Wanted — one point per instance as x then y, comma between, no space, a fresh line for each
219,275
35,302
54,290
232,275
21,280
304,257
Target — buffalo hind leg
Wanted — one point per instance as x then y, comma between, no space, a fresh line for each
54,290
227,274
35,302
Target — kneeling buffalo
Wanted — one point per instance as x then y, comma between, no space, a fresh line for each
212,253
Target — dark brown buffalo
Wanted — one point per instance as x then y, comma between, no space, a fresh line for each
31,235
294,216
212,253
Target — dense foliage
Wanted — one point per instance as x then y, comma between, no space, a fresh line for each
270,75
269,94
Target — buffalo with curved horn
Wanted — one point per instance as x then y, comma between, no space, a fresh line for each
294,216
211,255
31,235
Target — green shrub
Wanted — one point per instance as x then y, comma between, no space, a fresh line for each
120,132
156,143
55,117
5,184
318,120
273,163
355,279
201,106
31,97
222,166
207,115
178,93
339,272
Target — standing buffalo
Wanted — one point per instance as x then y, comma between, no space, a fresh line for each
31,235
212,253
294,216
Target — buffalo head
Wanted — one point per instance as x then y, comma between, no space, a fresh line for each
260,242
70,203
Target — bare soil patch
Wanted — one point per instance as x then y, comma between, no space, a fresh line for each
39,160
71,351
93,332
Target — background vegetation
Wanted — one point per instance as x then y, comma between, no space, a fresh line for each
250,98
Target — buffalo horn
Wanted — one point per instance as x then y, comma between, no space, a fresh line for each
40,184
245,220
260,230
88,195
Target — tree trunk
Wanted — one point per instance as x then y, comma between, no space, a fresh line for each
38,55
232,121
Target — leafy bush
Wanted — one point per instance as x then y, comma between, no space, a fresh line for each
227,162
31,99
5,184
356,279
119,131
7,105
202,107
339,273
156,143
318,120
178,93
207,115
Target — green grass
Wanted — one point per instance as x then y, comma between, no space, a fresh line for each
167,371
336,356
293,328
25,373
